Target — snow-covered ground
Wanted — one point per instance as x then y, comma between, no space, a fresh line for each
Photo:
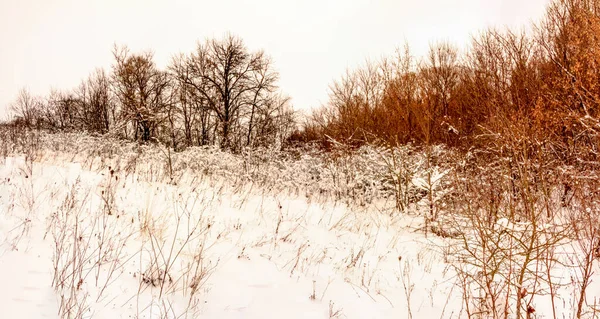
248,255
87,240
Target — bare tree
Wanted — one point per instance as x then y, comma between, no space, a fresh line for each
274,120
192,106
400,97
142,90
26,108
96,109
54,113
262,99
230,81
439,76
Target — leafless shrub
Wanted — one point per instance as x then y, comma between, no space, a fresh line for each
514,226
70,258
407,283
89,249
584,220
402,170
333,312
164,254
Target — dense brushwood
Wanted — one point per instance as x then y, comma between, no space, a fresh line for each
540,85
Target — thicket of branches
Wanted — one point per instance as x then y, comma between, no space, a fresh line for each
543,83
221,94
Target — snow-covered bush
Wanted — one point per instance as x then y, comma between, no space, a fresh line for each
362,176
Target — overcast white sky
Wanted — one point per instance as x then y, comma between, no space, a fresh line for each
56,43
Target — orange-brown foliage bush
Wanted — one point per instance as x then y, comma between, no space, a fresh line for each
546,82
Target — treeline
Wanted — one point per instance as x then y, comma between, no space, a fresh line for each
221,94
543,85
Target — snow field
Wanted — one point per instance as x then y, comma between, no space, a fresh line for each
115,247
